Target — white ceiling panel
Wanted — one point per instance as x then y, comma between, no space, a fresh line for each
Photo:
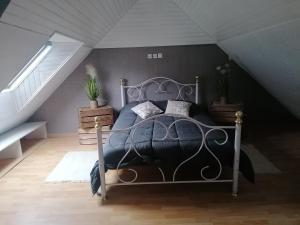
86,21
272,57
228,18
155,23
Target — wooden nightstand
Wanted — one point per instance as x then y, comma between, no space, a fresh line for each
87,131
224,113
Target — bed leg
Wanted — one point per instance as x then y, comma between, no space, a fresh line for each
100,157
237,146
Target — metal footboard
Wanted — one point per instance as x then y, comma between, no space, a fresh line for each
205,131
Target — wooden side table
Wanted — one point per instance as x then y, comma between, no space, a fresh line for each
224,113
87,131
87,116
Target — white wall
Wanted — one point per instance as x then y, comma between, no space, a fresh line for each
10,116
8,107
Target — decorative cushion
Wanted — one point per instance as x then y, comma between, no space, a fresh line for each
178,108
146,109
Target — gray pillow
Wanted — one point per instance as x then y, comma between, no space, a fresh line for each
146,109
178,108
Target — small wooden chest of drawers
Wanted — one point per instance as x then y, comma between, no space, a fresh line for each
87,131
224,113
87,116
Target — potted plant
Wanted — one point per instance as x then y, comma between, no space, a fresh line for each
223,73
92,86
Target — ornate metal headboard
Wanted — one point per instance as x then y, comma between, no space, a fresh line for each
138,91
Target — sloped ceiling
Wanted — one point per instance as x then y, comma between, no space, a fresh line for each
272,56
86,21
14,51
225,19
152,23
26,25
261,35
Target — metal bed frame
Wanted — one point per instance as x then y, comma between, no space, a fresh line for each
182,90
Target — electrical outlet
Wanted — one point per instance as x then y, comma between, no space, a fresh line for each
154,56
149,56
159,55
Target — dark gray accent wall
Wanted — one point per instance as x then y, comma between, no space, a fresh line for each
3,5
182,63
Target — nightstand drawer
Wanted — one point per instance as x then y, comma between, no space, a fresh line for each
224,113
104,110
89,122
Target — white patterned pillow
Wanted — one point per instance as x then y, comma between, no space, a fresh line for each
178,108
146,109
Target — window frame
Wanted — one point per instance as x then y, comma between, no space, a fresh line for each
30,66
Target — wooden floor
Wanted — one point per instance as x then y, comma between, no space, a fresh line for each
275,199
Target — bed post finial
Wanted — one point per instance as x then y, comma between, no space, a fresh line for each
239,117
97,122
197,90
123,82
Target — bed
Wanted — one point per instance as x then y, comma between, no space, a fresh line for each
169,142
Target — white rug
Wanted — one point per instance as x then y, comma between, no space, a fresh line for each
260,163
74,167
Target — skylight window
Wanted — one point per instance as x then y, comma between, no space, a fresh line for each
33,63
